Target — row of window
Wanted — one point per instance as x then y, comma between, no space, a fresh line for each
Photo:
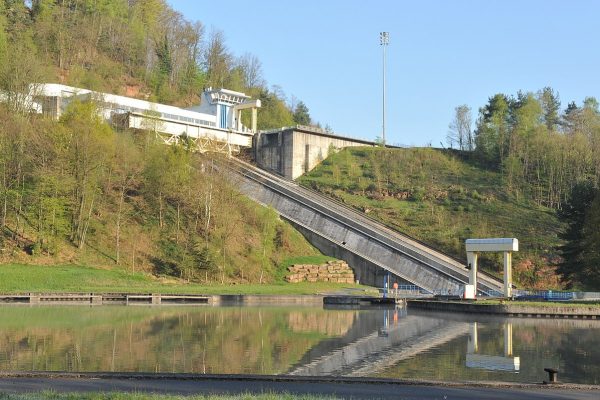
122,109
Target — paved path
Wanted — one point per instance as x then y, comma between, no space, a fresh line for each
338,387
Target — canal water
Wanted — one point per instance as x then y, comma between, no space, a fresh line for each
298,341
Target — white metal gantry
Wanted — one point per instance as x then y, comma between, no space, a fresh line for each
213,125
474,246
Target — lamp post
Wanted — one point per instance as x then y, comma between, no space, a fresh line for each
384,40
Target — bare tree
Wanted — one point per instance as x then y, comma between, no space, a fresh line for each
217,59
460,132
251,70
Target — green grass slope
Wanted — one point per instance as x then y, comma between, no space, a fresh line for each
20,278
437,197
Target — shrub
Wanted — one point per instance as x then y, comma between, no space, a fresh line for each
418,194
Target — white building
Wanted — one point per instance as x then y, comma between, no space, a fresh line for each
214,124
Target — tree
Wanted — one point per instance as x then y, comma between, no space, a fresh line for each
251,68
3,37
217,60
273,112
460,129
126,169
590,254
89,150
491,135
550,103
301,114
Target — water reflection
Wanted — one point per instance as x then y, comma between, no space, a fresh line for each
173,339
508,349
298,341
508,362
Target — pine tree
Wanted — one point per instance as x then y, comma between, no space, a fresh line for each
574,214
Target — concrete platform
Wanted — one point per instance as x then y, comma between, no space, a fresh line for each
360,301
508,309
103,298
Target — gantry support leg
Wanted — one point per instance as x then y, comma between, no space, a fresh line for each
507,274
254,118
471,288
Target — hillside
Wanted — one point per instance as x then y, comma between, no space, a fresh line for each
441,198
76,191
142,49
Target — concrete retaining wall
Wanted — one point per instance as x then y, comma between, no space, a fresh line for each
280,300
508,309
292,152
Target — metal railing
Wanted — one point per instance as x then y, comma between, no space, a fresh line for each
548,295
404,291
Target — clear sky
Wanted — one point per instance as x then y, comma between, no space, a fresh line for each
442,54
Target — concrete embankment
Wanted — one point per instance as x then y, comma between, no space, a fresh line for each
515,310
257,299
157,299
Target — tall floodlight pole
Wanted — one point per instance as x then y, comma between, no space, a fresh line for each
384,40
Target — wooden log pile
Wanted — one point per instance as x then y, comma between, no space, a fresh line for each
333,271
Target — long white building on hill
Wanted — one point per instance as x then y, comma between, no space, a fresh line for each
214,124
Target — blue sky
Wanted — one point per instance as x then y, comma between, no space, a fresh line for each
441,54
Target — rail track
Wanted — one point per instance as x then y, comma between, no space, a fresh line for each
375,231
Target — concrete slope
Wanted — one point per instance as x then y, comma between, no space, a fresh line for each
370,248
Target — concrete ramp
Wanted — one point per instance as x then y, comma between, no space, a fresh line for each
370,248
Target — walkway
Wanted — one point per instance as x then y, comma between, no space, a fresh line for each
332,387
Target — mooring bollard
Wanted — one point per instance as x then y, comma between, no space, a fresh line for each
552,375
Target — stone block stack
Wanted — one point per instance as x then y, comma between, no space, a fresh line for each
333,271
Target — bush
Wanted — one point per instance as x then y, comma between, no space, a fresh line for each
418,194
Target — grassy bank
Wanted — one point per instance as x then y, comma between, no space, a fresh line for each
443,198
69,278
140,396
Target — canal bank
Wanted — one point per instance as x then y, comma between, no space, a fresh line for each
298,340
158,299
356,388
537,310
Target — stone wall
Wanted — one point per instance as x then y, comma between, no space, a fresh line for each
332,271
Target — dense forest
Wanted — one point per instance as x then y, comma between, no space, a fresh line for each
77,191
139,48
74,190
529,170
550,155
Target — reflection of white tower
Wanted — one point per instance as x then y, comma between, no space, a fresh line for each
494,363
505,245
472,345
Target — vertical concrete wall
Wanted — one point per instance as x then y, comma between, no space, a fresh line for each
292,152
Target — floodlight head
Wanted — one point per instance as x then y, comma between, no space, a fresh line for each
384,38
